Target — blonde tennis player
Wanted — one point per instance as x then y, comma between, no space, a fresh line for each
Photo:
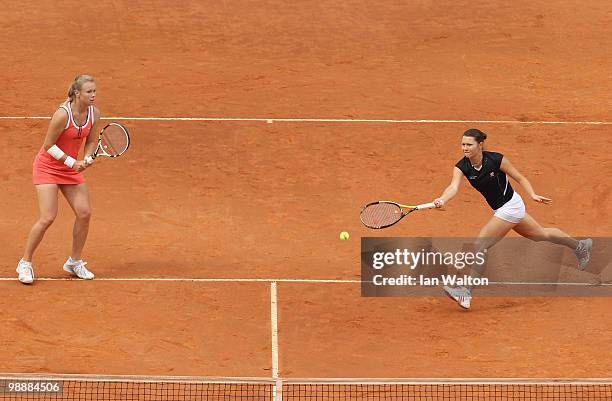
56,169
488,173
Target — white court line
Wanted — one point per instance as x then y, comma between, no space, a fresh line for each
327,120
197,280
279,280
310,380
468,381
274,326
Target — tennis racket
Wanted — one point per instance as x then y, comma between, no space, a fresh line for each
113,141
383,214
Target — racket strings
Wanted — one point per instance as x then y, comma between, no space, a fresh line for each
115,140
381,214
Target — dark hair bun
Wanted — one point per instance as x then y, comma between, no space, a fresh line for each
476,134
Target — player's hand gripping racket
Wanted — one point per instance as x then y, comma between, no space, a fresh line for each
113,141
383,214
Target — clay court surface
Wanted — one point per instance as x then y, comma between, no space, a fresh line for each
216,199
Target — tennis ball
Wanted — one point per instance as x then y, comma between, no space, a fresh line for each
344,236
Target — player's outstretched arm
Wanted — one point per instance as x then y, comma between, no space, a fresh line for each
450,191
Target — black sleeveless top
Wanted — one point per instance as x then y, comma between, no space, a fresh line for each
490,181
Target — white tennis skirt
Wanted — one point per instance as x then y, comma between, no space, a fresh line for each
513,210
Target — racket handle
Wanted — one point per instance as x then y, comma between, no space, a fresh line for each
426,206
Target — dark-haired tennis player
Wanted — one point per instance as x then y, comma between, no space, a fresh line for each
56,169
488,173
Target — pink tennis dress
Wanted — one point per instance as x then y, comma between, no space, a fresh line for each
47,170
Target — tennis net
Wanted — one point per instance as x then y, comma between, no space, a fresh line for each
71,387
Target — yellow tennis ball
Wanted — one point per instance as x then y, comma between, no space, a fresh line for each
344,236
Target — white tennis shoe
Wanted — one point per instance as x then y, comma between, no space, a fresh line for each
461,295
77,267
26,272
583,252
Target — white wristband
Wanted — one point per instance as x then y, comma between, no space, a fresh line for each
89,160
55,152
69,161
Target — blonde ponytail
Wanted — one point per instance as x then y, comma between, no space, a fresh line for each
77,84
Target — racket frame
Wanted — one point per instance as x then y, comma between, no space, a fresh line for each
404,209
100,136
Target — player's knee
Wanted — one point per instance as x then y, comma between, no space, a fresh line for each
83,214
45,221
540,235
548,233
480,245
